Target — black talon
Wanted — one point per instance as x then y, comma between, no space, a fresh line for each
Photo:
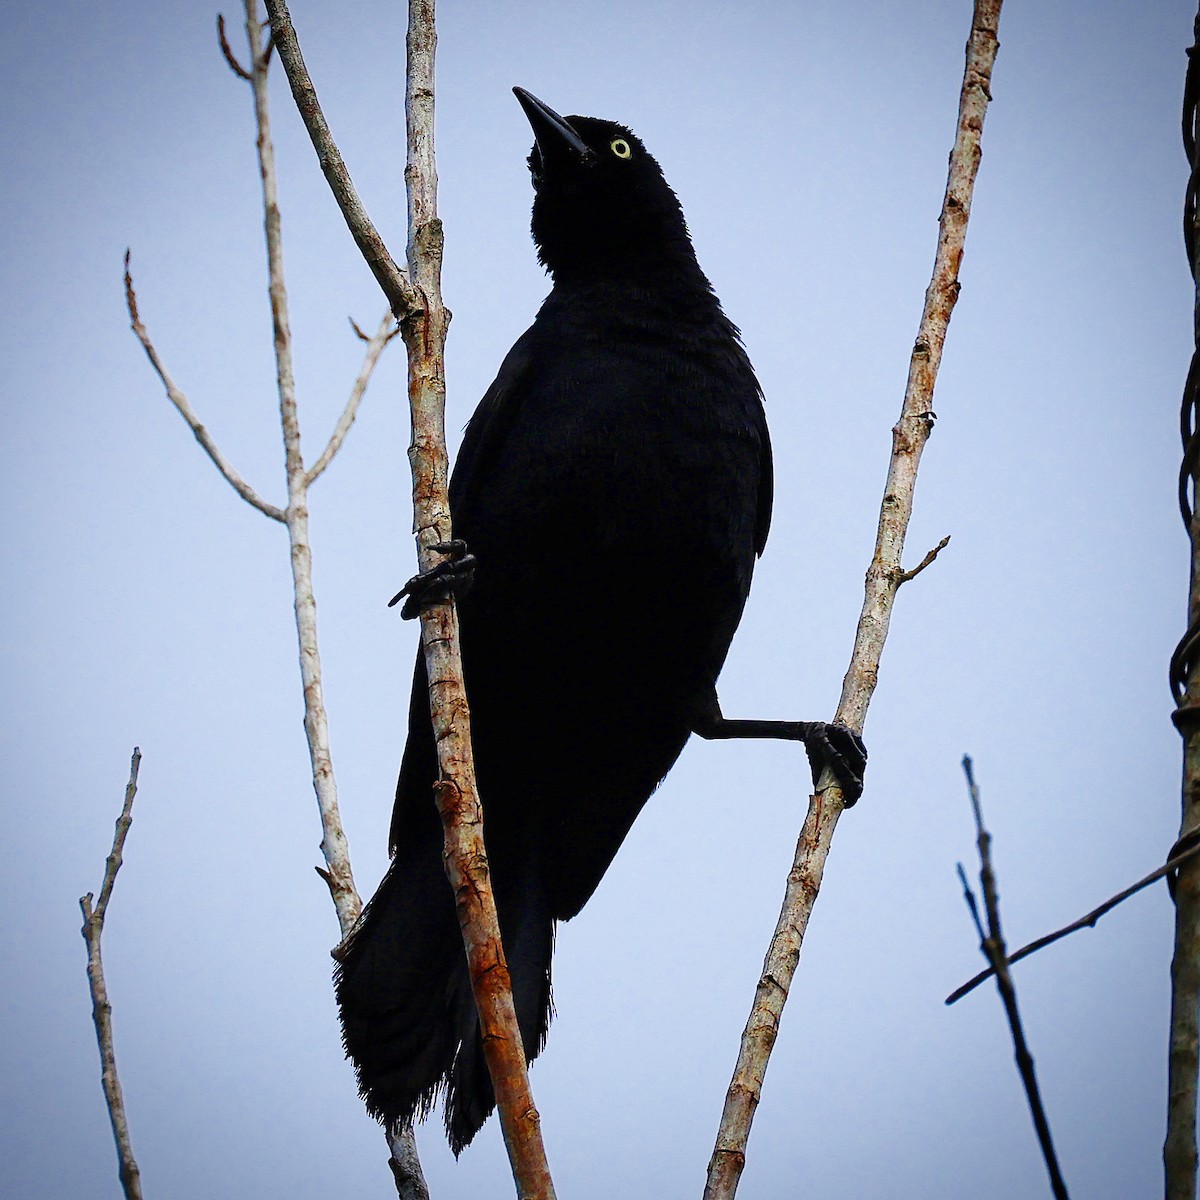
841,750
453,577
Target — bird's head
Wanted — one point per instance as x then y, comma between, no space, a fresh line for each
601,205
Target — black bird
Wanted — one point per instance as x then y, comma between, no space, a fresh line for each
614,486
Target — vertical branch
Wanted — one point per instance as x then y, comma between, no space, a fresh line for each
456,791
416,300
93,927
884,578
991,944
337,873
405,1164
1179,1149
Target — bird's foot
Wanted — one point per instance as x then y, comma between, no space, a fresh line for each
453,577
841,750
828,744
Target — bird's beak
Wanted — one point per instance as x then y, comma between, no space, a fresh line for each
551,132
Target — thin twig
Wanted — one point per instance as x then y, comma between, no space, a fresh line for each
905,576
235,66
992,947
969,899
883,580
93,928
185,410
1087,921
387,330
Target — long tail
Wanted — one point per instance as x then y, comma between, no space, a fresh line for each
403,991
408,1016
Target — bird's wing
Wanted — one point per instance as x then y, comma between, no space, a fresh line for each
490,424
766,484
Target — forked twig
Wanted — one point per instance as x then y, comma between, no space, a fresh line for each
337,871
991,944
93,928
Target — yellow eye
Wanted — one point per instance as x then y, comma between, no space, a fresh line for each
620,147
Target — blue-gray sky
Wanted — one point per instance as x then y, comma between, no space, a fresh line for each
146,604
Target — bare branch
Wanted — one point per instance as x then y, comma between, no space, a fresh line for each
992,948
184,408
235,66
883,580
316,722
336,873
1087,921
387,330
93,928
399,291
406,1166
905,576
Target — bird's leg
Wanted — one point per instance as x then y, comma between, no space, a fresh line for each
452,577
828,745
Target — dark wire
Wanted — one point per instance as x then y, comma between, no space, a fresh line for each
1184,658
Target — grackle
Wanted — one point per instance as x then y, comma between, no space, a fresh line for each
614,489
